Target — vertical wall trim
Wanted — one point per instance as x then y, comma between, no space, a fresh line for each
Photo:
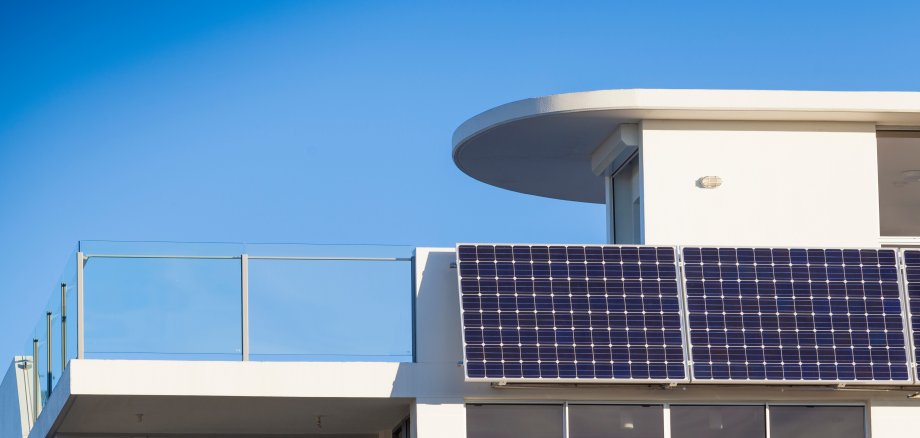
244,287
414,291
766,416
565,420
640,161
81,329
666,416
608,197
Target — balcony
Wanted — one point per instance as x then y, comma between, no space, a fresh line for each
154,301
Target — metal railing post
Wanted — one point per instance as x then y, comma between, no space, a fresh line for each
48,349
80,328
244,287
414,292
36,395
63,326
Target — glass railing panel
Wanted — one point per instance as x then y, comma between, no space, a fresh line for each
355,307
162,308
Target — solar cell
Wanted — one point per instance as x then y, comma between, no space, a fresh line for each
552,312
911,259
794,315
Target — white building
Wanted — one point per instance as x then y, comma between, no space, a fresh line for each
180,340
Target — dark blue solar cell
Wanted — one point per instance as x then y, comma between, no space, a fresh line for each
521,252
709,255
539,253
666,255
815,256
577,270
595,271
503,253
558,254
851,257
611,254
575,254
792,314
558,270
594,254
629,254
692,255
466,253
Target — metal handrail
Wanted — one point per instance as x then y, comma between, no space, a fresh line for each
251,257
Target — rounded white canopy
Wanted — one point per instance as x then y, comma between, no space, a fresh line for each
543,145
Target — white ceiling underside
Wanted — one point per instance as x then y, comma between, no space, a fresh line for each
99,415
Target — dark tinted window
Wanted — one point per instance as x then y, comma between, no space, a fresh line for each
514,421
817,421
718,422
616,421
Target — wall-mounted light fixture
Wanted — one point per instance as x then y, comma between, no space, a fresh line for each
709,182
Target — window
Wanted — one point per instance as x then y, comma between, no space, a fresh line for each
899,185
616,421
513,421
402,430
627,204
718,421
817,421
587,420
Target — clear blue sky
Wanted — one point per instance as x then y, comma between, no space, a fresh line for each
330,122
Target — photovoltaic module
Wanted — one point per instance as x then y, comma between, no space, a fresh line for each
780,314
548,312
641,314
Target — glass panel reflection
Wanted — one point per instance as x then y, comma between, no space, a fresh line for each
330,310
514,421
718,421
616,421
163,308
817,421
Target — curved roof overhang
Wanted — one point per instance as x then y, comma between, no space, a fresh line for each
542,146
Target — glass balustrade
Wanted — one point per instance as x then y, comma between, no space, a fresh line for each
224,301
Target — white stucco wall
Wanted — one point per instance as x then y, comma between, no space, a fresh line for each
14,400
784,183
894,419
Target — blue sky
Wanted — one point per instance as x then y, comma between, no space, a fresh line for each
330,122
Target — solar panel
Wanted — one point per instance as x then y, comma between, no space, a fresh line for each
795,315
552,312
911,259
